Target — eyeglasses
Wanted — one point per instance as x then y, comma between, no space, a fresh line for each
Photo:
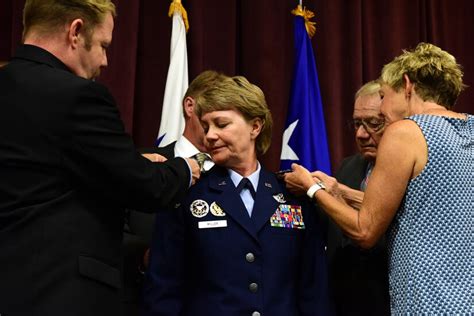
370,125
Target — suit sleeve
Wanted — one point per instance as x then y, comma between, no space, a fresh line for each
313,286
164,284
103,157
351,173
167,151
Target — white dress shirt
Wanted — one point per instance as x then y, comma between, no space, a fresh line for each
185,149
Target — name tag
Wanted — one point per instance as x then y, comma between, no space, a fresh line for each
212,224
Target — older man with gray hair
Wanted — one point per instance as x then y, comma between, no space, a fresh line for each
358,278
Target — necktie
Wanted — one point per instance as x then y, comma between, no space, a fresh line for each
201,158
363,184
246,184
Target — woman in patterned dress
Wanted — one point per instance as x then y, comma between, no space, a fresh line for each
421,188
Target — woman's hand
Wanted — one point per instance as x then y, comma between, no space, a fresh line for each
299,180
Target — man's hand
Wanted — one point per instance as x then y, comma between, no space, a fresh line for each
196,172
300,180
155,157
331,184
340,191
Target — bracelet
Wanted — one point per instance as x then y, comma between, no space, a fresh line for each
315,188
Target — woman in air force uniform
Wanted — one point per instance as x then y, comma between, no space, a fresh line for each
239,243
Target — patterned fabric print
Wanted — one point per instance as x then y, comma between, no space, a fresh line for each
431,238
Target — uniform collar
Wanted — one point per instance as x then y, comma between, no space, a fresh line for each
254,177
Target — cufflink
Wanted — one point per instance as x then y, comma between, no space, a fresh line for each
315,188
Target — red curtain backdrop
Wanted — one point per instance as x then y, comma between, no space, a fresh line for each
354,39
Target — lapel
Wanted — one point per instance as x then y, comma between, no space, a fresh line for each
229,199
265,203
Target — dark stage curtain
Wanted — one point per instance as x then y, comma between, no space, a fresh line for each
354,39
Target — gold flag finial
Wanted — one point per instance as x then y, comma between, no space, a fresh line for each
177,6
307,15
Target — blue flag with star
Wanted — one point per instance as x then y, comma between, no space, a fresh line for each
304,138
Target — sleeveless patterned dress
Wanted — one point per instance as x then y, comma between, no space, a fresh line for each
431,238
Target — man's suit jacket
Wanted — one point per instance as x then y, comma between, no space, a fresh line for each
136,240
243,266
68,171
141,223
167,151
358,279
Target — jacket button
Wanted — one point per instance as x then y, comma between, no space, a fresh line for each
250,257
253,287
255,314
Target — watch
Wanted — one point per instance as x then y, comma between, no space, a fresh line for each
315,188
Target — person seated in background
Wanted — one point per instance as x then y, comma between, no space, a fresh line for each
420,188
238,243
358,278
139,225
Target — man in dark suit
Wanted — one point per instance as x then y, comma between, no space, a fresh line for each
68,167
358,279
139,226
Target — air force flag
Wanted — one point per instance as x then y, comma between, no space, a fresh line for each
304,139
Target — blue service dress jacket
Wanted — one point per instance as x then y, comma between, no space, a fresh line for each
209,257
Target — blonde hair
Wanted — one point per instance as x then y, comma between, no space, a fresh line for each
48,16
370,88
434,72
237,93
202,82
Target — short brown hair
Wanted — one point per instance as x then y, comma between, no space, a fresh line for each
48,16
237,93
204,80
436,75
